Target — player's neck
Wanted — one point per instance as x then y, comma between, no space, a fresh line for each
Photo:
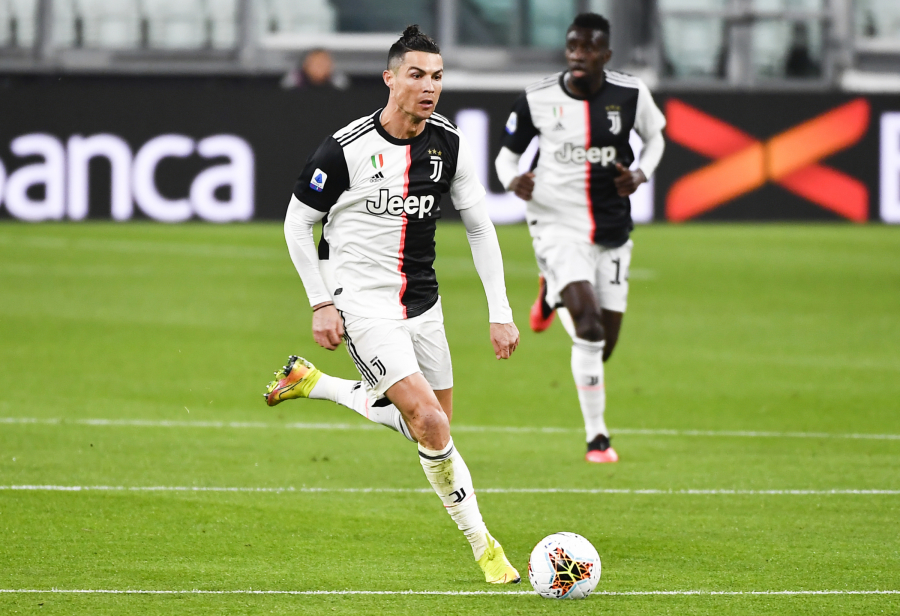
589,90
399,124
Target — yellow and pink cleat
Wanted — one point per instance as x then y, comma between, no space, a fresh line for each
295,380
497,569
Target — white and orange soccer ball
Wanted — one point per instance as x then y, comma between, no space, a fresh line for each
564,566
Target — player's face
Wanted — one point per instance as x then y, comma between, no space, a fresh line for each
587,52
416,84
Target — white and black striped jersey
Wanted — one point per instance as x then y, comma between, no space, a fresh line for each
580,140
382,197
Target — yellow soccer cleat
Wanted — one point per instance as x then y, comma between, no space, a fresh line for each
295,380
496,567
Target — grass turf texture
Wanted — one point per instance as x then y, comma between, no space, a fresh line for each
764,328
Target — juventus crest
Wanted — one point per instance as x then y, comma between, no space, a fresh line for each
437,167
615,121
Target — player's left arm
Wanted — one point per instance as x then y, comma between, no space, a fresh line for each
649,122
489,264
469,198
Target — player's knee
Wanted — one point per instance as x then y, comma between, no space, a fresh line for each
432,426
589,327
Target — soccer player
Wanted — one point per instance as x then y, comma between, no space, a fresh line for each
379,185
578,210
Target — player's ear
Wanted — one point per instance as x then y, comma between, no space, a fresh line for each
388,77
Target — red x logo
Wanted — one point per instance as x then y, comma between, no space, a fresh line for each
743,164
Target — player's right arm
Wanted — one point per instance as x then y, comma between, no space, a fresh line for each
519,132
322,181
298,232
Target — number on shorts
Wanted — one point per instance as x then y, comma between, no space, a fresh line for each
617,279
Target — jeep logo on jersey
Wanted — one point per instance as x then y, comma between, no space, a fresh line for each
578,155
397,205
615,122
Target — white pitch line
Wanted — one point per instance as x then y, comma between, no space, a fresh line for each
608,593
755,434
314,490
150,423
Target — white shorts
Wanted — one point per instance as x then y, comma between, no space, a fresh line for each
565,262
388,350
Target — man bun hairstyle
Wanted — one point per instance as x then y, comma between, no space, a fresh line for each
412,39
592,21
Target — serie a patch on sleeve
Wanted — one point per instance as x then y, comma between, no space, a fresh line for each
512,123
317,183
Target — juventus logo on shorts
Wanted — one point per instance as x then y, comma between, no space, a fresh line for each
615,122
437,167
376,363
459,495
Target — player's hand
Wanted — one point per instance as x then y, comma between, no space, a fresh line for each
628,181
523,186
327,326
505,338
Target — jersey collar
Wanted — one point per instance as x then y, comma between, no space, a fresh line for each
562,84
390,138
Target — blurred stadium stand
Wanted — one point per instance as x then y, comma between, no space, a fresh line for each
674,44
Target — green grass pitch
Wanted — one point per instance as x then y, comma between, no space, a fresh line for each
169,334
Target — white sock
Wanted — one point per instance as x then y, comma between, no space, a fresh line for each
587,369
451,480
352,394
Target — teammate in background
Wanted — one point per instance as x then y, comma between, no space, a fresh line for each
578,210
378,184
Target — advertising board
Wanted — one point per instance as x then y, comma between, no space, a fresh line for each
82,150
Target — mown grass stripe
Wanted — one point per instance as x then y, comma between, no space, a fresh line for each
608,593
150,423
314,490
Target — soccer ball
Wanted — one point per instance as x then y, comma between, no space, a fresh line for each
564,566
